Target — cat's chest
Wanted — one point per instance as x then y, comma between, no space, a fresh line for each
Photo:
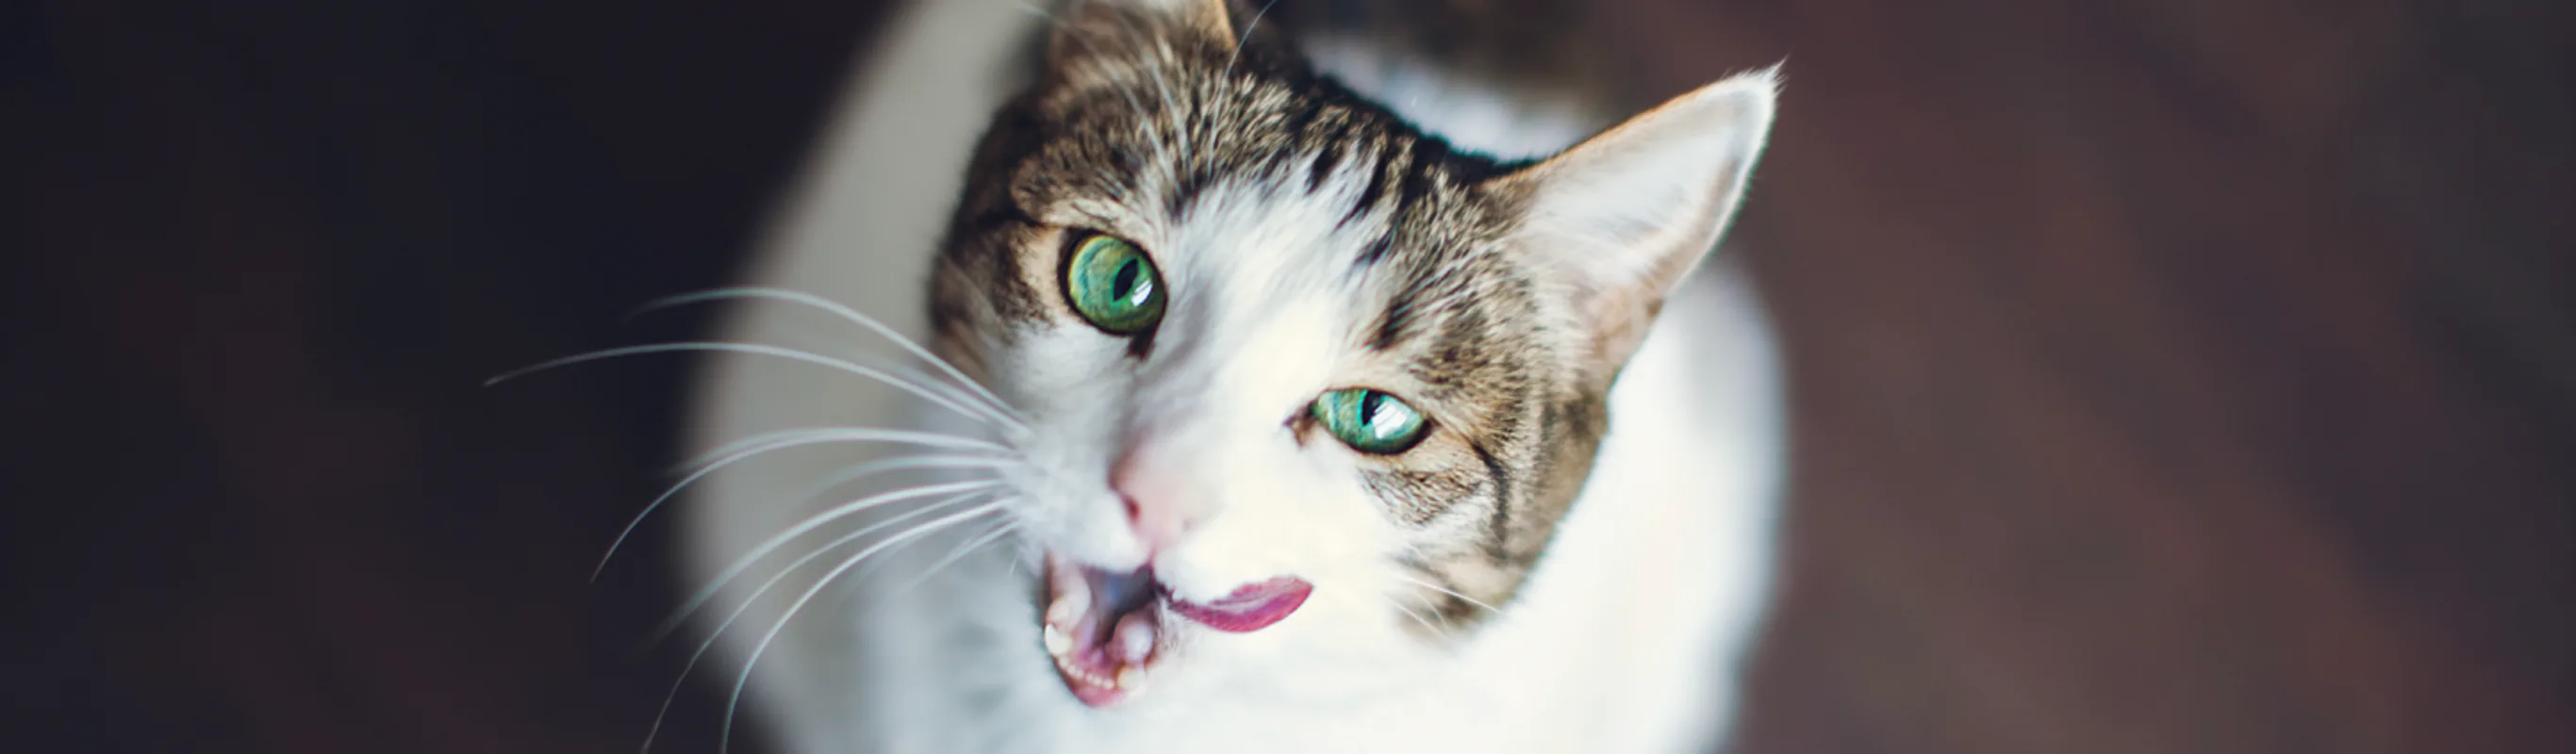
1514,701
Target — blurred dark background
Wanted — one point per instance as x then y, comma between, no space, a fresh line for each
2170,376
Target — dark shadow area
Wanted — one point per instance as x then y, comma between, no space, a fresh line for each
2170,377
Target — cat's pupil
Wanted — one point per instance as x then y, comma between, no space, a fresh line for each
1371,403
1123,285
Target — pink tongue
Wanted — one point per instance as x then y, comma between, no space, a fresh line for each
1250,608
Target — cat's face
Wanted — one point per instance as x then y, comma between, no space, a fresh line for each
1301,384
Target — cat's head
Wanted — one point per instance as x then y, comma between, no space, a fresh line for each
1283,358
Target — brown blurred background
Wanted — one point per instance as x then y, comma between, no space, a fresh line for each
2190,376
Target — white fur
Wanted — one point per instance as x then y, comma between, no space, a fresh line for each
1625,639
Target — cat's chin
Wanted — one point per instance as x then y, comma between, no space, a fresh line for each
1108,631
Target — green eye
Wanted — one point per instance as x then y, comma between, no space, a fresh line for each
1113,285
1369,421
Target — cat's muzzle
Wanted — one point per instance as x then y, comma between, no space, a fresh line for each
1107,630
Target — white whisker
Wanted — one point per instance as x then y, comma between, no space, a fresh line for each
899,463
966,490
782,441
904,436
733,703
730,618
759,349
1443,629
960,553
1001,409
1445,590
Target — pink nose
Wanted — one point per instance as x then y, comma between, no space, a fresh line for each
1158,511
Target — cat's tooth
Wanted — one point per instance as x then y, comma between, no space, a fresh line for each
1135,638
1078,598
1072,591
1056,642
1066,610
1129,677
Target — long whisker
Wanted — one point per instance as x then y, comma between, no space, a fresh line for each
898,463
762,551
700,653
960,553
1437,623
1354,588
1002,407
1445,590
781,441
1431,604
1443,630
760,349
903,436
733,704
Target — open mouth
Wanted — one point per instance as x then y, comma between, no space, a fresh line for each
1107,630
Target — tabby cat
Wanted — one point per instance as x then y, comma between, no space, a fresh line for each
1325,376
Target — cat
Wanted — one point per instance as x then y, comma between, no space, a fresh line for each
1325,376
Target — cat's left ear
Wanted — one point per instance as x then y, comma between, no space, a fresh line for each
1620,219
